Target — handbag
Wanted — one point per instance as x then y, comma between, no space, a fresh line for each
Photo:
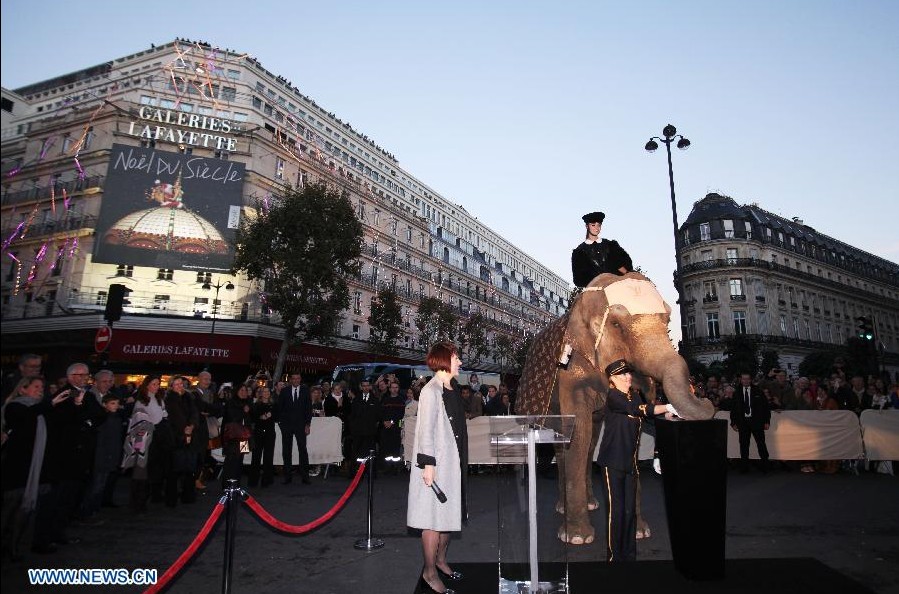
213,426
237,432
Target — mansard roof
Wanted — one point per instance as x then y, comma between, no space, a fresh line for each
715,207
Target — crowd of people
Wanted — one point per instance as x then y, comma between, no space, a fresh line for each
750,400
68,442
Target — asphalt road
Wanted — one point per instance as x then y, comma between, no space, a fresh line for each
848,522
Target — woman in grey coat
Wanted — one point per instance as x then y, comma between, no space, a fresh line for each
441,460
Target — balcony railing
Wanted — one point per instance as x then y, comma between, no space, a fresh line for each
764,264
738,297
44,193
50,227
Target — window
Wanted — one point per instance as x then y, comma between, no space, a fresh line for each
161,301
691,327
818,332
706,255
101,298
731,255
748,229
783,325
233,74
728,228
357,303
355,333
164,274
739,322
704,232
166,104
796,327
711,291
124,270
736,288
712,323
808,330
228,93
686,237
204,277
279,168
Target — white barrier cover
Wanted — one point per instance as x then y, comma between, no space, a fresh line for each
323,443
880,429
804,435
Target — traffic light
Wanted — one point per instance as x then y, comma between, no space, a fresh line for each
115,301
865,327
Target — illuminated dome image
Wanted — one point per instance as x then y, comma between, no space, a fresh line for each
167,227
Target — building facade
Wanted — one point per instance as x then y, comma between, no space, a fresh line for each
137,171
747,271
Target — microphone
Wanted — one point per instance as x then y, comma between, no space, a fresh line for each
441,496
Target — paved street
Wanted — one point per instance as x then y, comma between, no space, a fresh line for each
848,522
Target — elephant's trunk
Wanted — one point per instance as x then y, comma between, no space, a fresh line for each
676,384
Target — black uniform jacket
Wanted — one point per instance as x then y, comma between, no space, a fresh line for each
591,259
623,421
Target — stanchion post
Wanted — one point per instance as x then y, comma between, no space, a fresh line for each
369,544
230,500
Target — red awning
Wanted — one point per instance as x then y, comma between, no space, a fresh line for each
147,345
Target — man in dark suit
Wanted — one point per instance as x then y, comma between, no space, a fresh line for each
295,419
365,416
750,415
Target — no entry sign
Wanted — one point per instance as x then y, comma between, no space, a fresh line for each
103,338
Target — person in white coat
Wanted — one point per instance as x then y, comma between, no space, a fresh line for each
437,494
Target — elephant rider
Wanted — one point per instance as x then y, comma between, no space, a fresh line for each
624,416
595,256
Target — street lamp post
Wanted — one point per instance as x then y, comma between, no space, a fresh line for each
218,286
671,136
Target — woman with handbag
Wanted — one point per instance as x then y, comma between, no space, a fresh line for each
237,425
150,405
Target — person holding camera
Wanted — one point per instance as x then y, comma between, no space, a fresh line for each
437,481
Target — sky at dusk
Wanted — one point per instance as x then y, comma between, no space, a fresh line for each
529,114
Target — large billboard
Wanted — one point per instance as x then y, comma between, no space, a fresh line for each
169,210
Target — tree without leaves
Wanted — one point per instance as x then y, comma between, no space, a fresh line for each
385,322
303,247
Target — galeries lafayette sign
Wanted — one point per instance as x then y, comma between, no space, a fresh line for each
144,345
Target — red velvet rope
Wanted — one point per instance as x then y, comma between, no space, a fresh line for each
294,529
189,552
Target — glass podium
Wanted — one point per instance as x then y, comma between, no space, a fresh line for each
532,559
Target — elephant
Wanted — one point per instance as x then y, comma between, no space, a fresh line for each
614,317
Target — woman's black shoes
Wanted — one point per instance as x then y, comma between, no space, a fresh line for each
455,575
425,588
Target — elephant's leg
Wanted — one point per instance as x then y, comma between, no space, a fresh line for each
577,529
592,502
643,530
